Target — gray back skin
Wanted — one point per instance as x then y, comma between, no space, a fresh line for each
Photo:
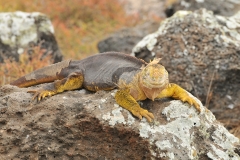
105,69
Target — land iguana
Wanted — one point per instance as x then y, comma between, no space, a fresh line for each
134,78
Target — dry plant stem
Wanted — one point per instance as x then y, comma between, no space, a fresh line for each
208,98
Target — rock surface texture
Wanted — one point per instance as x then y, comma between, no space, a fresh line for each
219,7
22,31
201,51
125,39
145,9
82,125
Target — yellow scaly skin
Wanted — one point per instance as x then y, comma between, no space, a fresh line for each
72,82
152,82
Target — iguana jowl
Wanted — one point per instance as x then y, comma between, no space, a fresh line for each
135,80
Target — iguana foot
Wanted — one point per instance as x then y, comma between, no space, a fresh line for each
124,99
40,94
139,112
191,101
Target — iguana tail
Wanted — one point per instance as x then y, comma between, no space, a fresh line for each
43,75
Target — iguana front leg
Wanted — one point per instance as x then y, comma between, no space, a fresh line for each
177,92
125,100
71,82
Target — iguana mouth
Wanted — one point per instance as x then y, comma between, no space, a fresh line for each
153,79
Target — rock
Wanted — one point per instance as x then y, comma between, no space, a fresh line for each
125,39
84,125
201,51
224,8
144,9
22,31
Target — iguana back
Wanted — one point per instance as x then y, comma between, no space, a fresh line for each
103,70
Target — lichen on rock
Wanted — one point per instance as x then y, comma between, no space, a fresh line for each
81,125
222,7
19,30
201,52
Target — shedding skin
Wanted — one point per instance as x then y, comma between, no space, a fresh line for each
150,81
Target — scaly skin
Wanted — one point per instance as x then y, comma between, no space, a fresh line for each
73,81
149,81
124,99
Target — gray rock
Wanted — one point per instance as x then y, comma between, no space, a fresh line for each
22,31
201,51
219,7
83,125
125,39
145,9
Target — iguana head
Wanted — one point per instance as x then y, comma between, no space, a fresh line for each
153,79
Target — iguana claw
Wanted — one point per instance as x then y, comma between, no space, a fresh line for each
40,94
143,113
191,101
